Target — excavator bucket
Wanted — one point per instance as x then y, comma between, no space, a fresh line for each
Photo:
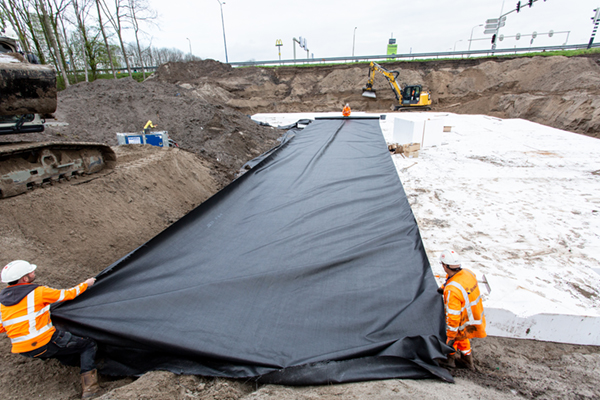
369,93
26,88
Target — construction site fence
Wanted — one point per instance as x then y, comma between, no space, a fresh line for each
388,57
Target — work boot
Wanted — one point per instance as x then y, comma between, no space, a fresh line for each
89,384
448,363
466,361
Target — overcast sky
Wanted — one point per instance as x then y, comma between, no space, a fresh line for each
253,26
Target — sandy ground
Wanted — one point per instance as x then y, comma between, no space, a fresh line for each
75,245
75,229
517,201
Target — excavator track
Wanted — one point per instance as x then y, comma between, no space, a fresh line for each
412,108
26,165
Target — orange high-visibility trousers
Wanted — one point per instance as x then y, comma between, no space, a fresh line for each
464,346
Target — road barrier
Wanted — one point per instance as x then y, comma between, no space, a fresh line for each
393,57
416,56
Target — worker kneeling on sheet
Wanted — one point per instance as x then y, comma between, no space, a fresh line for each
465,318
25,312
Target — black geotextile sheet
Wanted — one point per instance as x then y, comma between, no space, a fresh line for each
308,269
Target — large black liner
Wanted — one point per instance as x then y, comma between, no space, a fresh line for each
308,269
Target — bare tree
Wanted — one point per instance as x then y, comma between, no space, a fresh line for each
61,19
27,26
164,55
61,30
116,20
10,11
88,34
108,52
139,11
49,31
56,10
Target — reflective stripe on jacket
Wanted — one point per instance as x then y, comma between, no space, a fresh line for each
464,307
27,323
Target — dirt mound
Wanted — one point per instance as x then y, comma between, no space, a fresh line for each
77,228
178,72
166,385
97,111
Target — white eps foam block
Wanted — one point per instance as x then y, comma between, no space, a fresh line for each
418,128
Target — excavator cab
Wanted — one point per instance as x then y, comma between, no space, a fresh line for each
411,94
414,98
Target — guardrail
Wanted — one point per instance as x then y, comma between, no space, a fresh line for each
399,57
413,56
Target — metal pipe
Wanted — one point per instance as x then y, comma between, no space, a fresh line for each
353,40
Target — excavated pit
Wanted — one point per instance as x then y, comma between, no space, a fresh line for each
75,229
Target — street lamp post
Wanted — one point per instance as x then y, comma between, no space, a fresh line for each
471,38
188,39
353,40
460,40
223,22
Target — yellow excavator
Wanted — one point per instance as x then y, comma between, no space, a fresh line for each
410,98
27,92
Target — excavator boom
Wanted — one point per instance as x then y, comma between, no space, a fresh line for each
391,76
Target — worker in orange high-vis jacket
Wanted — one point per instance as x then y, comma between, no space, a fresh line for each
346,110
465,318
25,312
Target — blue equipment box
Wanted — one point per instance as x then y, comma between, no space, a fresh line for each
159,139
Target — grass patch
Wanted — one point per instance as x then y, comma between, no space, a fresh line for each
60,83
566,53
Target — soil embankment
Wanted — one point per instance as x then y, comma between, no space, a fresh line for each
215,132
562,92
75,229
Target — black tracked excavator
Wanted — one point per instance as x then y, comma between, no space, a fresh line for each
27,92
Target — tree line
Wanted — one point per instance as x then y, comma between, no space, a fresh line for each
86,35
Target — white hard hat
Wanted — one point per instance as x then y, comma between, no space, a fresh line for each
15,270
450,257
